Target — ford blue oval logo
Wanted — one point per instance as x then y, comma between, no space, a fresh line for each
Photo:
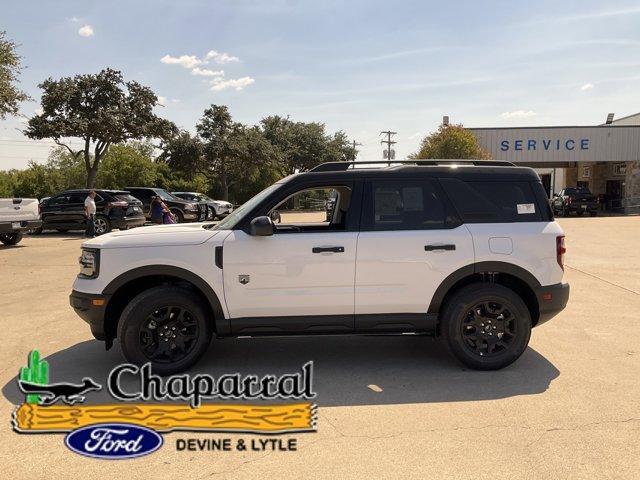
113,441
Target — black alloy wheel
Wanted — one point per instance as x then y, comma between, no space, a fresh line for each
488,328
169,334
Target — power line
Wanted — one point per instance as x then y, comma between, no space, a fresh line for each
389,142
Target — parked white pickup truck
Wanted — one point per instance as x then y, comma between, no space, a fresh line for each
18,215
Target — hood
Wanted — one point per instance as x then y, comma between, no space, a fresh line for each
154,236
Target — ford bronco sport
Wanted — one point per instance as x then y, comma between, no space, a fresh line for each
467,251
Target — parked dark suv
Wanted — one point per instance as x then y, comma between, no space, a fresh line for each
114,209
183,210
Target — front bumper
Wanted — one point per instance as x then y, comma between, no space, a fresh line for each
551,300
24,225
91,308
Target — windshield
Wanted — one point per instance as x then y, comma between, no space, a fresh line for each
238,214
164,195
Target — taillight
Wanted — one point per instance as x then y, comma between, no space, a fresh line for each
560,250
569,200
111,205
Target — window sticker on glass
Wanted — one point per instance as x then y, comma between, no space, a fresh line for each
526,208
412,198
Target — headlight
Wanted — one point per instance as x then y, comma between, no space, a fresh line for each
191,206
89,263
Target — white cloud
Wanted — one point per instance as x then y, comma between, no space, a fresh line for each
162,100
186,61
205,72
175,100
39,111
237,83
86,31
74,20
518,114
221,57
586,87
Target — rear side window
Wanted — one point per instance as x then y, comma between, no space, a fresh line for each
125,197
406,205
493,202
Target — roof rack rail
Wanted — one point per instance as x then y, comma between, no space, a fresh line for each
341,166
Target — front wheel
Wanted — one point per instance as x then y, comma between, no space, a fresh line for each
486,326
166,326
11,238
177,216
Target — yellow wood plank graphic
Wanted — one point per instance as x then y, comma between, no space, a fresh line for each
31,418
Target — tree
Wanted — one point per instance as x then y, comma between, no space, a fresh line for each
301,146
451,141
100,109
10,94
230,150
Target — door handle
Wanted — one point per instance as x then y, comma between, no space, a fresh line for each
431,248
327,249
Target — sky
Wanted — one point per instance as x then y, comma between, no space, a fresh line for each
358,66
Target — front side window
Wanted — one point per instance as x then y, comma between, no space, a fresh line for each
407,205
319,208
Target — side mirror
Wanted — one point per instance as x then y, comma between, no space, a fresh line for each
261,227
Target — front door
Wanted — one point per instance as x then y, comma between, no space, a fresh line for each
301,278
408,245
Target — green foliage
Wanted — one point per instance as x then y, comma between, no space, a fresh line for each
36,372
10,94
301,146
100,109
451,142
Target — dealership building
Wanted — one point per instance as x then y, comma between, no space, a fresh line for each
605,158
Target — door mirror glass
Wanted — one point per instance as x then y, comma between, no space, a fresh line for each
261,227
275,217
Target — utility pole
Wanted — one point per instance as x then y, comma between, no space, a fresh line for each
389,142
355,144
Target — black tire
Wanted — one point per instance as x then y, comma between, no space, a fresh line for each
143,310
11,238
565,212
178,216
36,231
515,332
102,224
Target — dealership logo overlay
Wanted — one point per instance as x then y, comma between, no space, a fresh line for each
132,427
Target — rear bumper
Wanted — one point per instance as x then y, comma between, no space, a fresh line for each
582,207
8,227
551,300
128,222
91,308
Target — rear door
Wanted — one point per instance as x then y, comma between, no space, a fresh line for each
73,211
408,244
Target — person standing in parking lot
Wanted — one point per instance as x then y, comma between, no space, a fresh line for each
90,212
157,210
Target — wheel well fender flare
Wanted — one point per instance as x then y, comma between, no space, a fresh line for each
475,268
221,323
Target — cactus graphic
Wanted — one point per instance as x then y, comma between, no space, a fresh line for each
37,371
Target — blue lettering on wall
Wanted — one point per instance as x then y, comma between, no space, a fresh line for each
531,144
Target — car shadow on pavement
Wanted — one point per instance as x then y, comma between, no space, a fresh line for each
408,369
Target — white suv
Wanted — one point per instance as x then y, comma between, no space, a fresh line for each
466,251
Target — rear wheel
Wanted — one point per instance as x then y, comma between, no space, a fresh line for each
486,326
11,238
166,326
102,224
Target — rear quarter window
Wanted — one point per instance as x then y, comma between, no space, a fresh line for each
494,201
